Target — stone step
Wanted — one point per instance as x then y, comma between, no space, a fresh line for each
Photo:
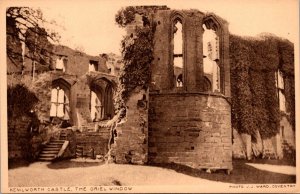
45,159
42,155
56,143
49,151
51,148
79,151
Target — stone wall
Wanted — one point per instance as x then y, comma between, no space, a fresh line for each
192,129
18,138
131,139
244,147
81,102
93,142
162,78
78,62
239,147
273,147
287,132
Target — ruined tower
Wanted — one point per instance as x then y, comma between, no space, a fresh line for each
188,116
189,122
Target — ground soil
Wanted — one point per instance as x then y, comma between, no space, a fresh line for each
82,173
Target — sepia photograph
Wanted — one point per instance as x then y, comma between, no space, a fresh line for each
149,96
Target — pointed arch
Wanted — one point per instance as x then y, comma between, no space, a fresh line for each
215,51
60,99
62,83
109,103
102,89
178,42
212,22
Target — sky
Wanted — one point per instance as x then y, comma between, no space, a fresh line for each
90,25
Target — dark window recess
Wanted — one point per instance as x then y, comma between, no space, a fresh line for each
95,64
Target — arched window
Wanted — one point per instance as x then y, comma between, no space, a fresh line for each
96,106
211,58
102,106
59,104
178,53
109,105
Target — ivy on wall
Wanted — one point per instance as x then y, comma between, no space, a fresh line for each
20,101
254,62
137,57
137,52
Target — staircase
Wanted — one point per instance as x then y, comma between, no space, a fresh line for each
63,135
54,148
79,151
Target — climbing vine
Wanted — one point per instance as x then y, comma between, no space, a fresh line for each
127,15
20,100
137,52
254,61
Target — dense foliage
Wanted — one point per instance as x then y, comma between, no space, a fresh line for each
20,101
254,62
126,15
137,52
28,25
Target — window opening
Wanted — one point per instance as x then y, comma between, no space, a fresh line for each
59,104
211,57
61,63
93,66
177,53
96,107
280,88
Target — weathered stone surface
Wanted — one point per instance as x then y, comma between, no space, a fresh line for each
201,142
238,146
162,78
76,82
131,142
93,142
18,138
245,147
286,132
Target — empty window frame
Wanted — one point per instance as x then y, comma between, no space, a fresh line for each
59,104
93,66
211,58
178,53
96,106
61,62
280,88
